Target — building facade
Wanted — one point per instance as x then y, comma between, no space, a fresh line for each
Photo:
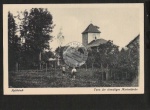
89,34
133,43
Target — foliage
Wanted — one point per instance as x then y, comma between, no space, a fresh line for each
120,63
129,61
59,51
46,55
103,54
36,27
84,78
13,42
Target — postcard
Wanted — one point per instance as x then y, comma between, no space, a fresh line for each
62,49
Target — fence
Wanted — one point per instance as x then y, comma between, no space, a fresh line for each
102,73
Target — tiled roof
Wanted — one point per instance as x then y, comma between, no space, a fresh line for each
91,29
137,37
96,42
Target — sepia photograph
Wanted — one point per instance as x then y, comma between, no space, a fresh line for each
73,48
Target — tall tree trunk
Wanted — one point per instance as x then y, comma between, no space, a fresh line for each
46,67
55,66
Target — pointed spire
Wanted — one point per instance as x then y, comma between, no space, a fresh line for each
60,37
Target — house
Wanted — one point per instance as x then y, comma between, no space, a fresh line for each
133,49
133,43
91,36
91,39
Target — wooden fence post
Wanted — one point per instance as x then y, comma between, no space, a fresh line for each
40,60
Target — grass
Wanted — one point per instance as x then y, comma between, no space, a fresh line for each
34,79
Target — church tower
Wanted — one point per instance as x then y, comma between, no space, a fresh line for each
89,34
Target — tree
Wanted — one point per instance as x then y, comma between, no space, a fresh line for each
46,55
91,58
59,51
13,43
104,54
129,61
36,28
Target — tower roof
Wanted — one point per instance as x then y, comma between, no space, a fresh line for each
91,29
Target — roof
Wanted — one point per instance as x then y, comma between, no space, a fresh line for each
137,37
96,42
91,29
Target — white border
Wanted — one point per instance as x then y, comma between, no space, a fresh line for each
78,90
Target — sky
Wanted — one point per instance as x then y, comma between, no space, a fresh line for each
120,23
